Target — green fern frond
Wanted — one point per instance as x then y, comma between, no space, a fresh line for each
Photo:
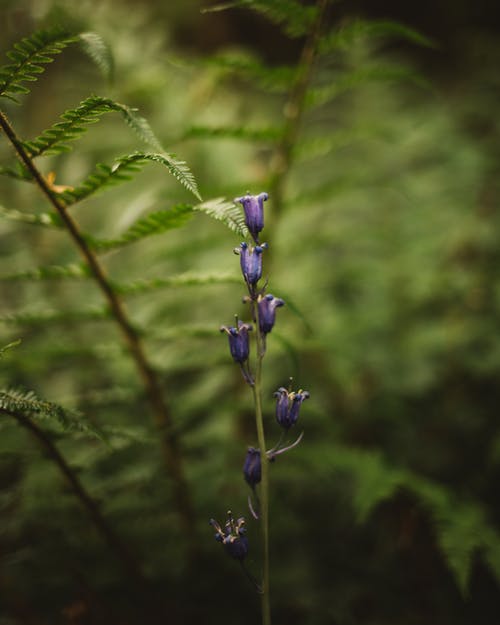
51,272
98,50
9,346
269,135
29,405
229,213
124,168
295,17
342,38
272,79
44,317
49,220
188,279
375,73
29,56
55,139
154,223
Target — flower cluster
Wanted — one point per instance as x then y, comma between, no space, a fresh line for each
263,308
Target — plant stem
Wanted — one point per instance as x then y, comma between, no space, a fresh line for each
171,449
294,110
264,484
115,544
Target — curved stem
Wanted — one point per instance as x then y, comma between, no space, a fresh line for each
115,544
150,380
264,484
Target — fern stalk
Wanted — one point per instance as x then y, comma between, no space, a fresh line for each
264,484
115,544
294,110
171,451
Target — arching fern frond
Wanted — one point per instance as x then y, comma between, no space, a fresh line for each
29,405
342,38
229,213
46,317
269,135
50,272
272,79
30,55
154,223
124,168
295,17
55,139
190,279
11,345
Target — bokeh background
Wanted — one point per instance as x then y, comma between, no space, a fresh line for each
384,241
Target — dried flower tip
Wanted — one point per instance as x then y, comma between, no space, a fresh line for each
232,536
253,207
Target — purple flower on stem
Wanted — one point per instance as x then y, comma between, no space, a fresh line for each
232,536
253,207
267,312
239,345
252,467
251,262
288,405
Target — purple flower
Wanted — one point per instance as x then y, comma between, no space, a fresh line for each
252,467
239,343
232,536
253,206
251,262
267,312
288,406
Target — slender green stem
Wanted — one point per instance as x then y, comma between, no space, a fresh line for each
154,392
264,484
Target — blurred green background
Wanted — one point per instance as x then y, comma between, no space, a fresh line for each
384,241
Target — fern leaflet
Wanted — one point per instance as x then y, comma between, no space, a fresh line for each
50,220
229,213
189,279
55,139
51,272
105,176
9,346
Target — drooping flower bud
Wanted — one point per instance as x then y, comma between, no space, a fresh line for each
251,262
288,406
232,536
252,469
239,343
253,206
267,312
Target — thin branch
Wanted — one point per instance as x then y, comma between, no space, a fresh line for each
154,392
294,111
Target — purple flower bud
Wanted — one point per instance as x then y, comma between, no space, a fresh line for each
239,342
252,467
232,536
267,312
251,262
288,406
253,206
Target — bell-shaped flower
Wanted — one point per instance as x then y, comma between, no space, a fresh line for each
288,405
267,312
239,343
251,262
252,467
232,536
253,207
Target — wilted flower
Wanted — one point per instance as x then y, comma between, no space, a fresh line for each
251,262
253,206
232,536
288,405
252,467
267,312
239,342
